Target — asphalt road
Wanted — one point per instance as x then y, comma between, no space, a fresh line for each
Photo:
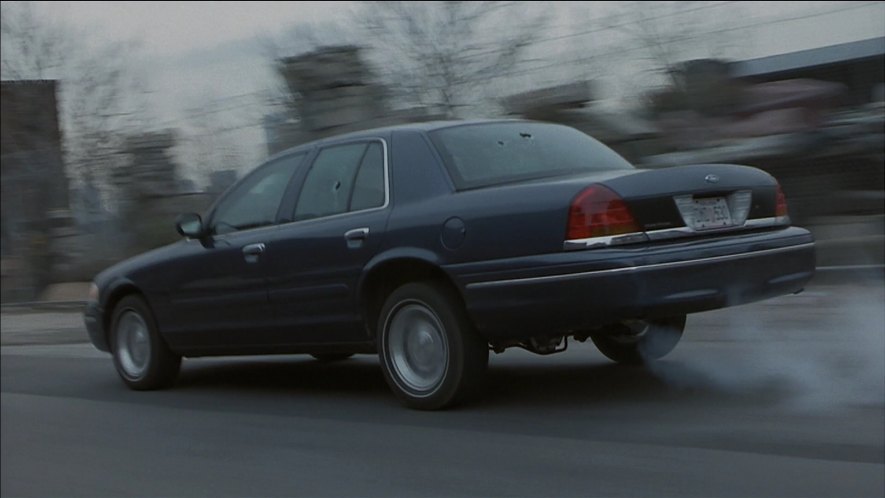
784,398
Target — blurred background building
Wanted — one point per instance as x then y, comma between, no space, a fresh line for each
34,196
81,191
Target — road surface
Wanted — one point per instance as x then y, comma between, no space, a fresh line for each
783,398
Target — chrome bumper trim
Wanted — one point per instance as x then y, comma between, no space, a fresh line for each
628,269
668,234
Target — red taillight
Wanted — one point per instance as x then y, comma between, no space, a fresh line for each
597,212
780,209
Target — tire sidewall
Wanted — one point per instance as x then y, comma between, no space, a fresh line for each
445,310
662,338
666,333
157,371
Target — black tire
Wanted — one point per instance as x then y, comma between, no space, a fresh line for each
431,356
640,341
330,357
141,356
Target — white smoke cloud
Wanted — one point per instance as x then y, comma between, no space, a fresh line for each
820,350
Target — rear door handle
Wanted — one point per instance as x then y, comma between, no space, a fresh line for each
252,251
356,237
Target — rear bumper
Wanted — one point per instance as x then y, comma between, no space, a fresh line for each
570,291
92,317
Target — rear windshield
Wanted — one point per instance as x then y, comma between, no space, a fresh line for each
494,153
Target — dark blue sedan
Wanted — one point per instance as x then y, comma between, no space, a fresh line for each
431,244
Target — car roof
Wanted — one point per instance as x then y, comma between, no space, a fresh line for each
419,126
423,126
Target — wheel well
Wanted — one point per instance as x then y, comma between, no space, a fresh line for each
118,294
385,278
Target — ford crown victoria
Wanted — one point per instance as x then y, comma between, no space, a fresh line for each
432,244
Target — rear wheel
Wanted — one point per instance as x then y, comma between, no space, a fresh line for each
639,341
141,356
430,353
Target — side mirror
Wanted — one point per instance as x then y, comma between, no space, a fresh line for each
190,225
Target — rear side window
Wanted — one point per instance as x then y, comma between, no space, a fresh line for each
343,178
487,154
368,190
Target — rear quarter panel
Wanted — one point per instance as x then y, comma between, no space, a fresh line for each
498,222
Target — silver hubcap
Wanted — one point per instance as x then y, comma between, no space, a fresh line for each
133,344
417,347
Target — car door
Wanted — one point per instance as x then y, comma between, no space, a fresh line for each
315,262
219,297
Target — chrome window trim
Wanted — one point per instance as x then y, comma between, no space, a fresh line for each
668,234
630,269
339,215
236,233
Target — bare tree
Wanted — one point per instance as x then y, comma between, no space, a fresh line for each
443,54
666,34
206,136
100,89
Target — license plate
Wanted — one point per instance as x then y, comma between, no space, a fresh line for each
705,213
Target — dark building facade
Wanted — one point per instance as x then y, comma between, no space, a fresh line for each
34,183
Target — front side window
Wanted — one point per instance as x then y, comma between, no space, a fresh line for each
343,178
254,202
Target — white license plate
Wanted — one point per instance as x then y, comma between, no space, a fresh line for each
706,213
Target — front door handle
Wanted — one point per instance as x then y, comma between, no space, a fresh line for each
356,234
356,237
252,251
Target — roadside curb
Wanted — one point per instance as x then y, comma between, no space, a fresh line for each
25,307
45,338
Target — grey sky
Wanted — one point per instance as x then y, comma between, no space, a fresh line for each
171,28
174,28
204,56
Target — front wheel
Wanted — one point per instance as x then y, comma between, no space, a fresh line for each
141,356
640,341
430,353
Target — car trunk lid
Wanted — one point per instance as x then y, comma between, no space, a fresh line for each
698,197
